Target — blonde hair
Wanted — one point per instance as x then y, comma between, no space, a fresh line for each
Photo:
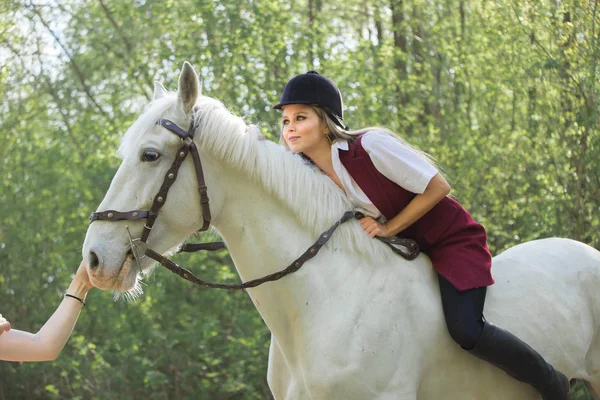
337,133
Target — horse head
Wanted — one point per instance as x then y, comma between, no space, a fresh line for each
137,201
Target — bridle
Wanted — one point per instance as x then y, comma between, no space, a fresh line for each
139,246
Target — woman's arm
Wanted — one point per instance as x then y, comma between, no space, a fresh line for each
435,191
46,345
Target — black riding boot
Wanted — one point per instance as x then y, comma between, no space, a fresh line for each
516,358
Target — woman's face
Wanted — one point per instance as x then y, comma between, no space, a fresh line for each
302,129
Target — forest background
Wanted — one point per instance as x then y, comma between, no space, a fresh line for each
504,94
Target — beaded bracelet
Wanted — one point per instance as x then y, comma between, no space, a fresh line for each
76,298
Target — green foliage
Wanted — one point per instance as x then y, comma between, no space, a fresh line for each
503,94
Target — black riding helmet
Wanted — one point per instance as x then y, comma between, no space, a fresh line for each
312,88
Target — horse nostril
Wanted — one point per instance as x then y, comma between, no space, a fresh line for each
94,262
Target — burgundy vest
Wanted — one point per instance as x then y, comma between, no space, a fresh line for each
456,244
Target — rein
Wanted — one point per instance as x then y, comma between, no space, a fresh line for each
407,248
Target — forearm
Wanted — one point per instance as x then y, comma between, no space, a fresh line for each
46,345
420,205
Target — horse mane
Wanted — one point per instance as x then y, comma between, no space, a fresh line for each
308,193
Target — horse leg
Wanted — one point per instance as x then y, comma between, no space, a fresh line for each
279,376
593,367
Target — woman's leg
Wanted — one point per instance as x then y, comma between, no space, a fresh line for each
463,312
464,317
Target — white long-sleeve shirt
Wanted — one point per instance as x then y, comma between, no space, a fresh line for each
393,159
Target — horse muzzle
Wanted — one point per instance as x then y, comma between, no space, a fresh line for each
111,266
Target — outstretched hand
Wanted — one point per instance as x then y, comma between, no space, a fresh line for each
4,325
374,228
81,276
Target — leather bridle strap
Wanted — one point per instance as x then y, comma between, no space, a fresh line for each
407,248
398,245
161,196
208,246
188,138
112,215
204,204
293,267
188,147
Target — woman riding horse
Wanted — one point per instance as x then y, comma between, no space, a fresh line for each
385,178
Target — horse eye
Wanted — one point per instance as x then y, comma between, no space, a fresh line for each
150,156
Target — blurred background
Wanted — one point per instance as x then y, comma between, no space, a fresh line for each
504,94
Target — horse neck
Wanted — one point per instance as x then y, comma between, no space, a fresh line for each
263,236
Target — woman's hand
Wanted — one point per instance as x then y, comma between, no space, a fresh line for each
82,277
81,283
4,325
374,228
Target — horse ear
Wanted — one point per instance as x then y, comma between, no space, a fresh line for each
189,87
159,90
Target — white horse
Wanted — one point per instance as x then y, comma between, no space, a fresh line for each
357,321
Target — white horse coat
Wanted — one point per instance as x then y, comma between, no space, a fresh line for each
357,321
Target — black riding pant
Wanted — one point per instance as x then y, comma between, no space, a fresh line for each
463,312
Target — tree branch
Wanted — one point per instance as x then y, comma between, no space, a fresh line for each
57,101
535,41
116,26
25,116
76,68
148,80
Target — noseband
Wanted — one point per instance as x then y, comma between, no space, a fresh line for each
139,247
